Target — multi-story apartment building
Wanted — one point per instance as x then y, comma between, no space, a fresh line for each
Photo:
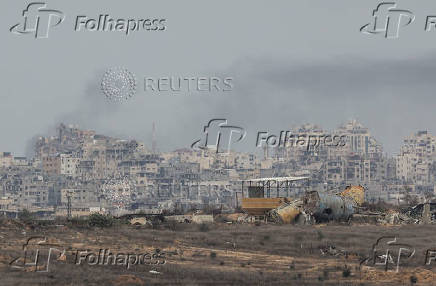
68,165
34,191
77,196
51,164
358,138
413,163
6,160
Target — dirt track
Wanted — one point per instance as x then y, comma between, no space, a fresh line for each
238,254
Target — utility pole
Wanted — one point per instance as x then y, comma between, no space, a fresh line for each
153,140
69,205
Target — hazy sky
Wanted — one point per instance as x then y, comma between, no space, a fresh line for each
292,62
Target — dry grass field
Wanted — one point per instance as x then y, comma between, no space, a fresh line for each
217,254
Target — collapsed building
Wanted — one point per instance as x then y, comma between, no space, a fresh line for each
258,197
288,205
311,206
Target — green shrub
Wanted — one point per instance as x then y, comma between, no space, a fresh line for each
99,220
346,272
413,279
25,216
79,222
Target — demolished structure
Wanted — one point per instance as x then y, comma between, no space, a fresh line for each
324,207
288,213
260,202
313,205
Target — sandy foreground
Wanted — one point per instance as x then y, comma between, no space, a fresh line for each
216,254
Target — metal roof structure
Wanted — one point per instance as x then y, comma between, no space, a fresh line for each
277,179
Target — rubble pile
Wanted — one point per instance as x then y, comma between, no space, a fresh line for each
317,207
347,206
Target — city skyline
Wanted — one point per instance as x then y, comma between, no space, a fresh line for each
246,142
282,73
118,174
239,147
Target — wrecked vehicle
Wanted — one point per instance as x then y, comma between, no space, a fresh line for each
324,207
288,212
291,212
320,206
139,221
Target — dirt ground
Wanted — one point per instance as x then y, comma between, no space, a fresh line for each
218,254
